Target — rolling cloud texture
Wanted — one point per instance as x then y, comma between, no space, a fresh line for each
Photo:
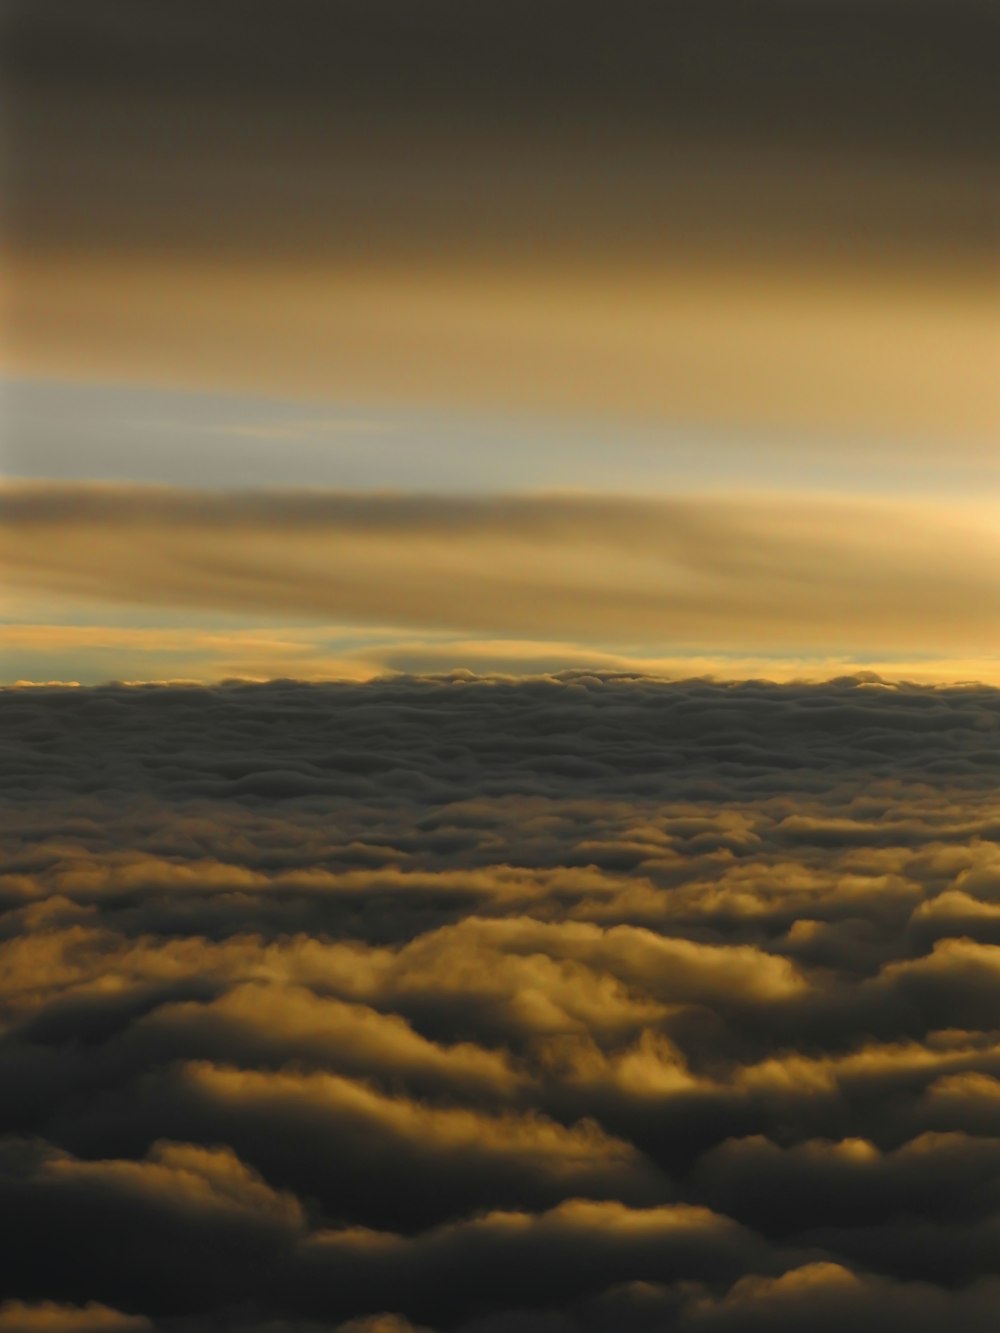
560,1005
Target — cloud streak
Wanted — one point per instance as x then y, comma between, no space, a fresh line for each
780,575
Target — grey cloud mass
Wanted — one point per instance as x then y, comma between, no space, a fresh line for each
180,112
566,1005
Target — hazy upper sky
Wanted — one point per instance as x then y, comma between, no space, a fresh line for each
739,258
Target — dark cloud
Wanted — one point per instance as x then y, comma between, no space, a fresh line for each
711,64
50,1317
377,126
566,1004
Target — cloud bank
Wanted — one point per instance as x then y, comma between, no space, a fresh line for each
572,1004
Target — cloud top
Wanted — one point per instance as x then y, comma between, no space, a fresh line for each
576,1004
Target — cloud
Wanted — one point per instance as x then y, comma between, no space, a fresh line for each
781,576
576,1249
570,1004
48,1317
107,649
826,1296
644,212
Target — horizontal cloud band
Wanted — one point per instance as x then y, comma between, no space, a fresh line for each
754,574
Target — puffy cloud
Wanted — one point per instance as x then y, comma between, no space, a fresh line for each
130,1226
826,1296
568,1004
268,1024
572,1251
48,1317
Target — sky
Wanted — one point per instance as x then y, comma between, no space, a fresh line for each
732,265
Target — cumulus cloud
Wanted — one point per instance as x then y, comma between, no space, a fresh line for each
567,1004
47,1317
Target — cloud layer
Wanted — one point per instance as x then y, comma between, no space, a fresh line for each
764,218
782,576
572,1004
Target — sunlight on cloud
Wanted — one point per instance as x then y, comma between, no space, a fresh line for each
779,577
808,350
